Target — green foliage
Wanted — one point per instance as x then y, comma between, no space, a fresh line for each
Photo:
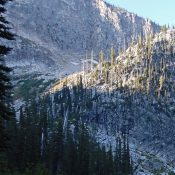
101,59
28,88
5,84
3,163
113,55
47,146
164,28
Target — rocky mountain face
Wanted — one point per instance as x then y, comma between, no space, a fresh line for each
133,94
54,35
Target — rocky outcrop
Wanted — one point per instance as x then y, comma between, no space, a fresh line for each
59,33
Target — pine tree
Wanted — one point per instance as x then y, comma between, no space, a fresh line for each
83,151
5,85
12,130
70,156
21,139
126,161
101,57
118,157
104,168
113,56
57,147
110,166
164,28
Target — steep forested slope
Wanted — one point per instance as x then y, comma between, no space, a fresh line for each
133,93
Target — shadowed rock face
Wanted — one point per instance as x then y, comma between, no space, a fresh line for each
60,32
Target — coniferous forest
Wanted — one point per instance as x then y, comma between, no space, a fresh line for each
34,143
44,146
40,144
95,96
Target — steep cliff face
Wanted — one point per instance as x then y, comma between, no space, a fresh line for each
57,34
